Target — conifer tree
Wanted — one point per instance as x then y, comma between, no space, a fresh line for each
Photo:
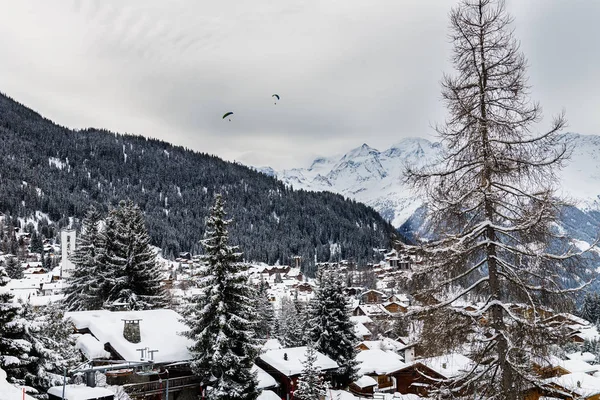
134,276
87,286
330,327
222,317
52,348
14,347
590,310
493,208
265,311
291,324
310,384
13,268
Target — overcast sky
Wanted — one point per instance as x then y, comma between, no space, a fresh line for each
347,71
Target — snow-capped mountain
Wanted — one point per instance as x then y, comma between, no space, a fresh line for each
376,178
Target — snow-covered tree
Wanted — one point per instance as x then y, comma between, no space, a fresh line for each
330,327
133,275
222,317
14,348
590,309
493,209
265,311
13,268
291,324
52,348
87,286
310,384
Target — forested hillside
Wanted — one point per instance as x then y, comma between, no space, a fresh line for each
60,172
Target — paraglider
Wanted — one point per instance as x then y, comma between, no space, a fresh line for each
276,96
227,114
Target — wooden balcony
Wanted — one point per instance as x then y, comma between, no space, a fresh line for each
141,390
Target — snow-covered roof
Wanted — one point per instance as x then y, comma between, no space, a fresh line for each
578,366
80,392
160,330
360,330
378,362
385,344
268,395
295,357
449,366
584,356
264,379
363,319
365,381
579,383
91,347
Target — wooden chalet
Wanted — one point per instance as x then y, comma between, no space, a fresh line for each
286,365
372,297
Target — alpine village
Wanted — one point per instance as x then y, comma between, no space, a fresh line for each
131,268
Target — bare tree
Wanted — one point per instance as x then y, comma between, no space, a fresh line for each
492,203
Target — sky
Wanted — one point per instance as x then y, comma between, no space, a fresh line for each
347,71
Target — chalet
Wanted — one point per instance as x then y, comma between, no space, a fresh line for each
386,344
295,273
373,311
304,287
580,385
286,365
395,308
553,366
361,331
372,297
381,366
422,375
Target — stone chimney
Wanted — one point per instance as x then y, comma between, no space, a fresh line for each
131,330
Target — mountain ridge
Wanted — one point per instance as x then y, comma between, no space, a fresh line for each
60,172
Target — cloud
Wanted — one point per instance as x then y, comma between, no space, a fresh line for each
348,71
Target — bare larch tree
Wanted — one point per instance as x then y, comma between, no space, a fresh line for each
492,204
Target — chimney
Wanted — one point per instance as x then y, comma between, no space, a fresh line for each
131,330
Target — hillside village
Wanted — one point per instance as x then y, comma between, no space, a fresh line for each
141,354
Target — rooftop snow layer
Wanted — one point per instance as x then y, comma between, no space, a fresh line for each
295,357
378,362
159,329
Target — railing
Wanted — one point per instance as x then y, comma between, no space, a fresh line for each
155,387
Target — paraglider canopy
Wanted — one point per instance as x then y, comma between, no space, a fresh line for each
276,96
227,114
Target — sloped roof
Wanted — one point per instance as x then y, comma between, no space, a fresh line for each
295,357
159,330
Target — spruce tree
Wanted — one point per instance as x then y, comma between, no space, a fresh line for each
493,209
291,324
13,268
590,310
133,273
265,311
330,327
52,348
14,346
87,287
222,317
310,384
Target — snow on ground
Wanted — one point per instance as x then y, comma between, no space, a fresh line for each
10,392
